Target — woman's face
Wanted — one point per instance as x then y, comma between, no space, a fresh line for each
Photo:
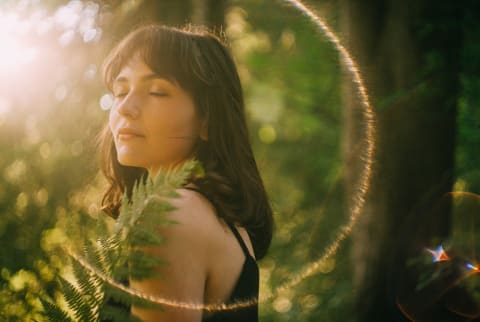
153,121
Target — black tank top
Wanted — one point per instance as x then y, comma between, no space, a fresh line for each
246,287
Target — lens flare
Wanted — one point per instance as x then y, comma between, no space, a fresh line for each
439,254
155,299
472,267
367,155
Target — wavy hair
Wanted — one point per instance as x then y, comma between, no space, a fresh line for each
200,63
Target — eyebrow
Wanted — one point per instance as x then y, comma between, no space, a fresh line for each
143,78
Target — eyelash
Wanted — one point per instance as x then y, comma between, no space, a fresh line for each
158,94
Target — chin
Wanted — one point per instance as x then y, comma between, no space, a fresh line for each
130,161
133,160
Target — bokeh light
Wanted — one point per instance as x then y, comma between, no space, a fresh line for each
17,52
37,43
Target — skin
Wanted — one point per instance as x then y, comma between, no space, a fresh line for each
160,112
205,260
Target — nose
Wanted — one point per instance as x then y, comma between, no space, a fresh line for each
129,106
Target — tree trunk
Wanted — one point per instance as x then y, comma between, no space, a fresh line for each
407,52
210,13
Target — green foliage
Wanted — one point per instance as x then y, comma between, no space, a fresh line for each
292,84
468,138
54,313
118,254
291,76
111,313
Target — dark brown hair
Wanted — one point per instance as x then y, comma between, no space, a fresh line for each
199,62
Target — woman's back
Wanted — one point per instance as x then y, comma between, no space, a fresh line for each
209,262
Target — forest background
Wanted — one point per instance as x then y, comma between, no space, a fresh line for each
421,64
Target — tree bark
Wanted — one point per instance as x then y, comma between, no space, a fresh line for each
210,13
407,52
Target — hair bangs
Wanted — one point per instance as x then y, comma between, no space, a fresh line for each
175,58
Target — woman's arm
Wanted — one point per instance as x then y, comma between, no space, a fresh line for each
186,251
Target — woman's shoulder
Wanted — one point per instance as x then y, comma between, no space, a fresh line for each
192,208
195,218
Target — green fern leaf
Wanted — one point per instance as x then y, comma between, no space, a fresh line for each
53,313
144,236
96,256
118,254
88,284
76,301
143,265
112,313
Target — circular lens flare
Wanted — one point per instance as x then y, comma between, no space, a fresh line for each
358,200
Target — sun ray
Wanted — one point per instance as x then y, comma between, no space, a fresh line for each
16,52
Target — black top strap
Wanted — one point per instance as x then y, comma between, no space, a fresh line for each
240,239
232,226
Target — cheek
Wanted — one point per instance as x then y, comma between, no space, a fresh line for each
172,138
175,124
112,123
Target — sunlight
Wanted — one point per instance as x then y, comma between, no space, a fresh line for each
39,51
16,53
24,54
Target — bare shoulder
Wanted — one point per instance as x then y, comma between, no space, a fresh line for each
193,211
197,224
198,219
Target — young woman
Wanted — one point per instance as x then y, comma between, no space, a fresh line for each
177,96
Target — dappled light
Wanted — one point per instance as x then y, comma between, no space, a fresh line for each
371,165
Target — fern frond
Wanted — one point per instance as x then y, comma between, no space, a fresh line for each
115,255
97,256
175,178
53,313
144,236
112,313
143,265
88,284
121,298
156,203
76,301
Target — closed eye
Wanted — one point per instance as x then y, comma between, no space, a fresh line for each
120,95
160,94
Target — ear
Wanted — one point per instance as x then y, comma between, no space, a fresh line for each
203,130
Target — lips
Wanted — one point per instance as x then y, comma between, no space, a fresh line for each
128,133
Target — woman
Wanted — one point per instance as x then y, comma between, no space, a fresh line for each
177,95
